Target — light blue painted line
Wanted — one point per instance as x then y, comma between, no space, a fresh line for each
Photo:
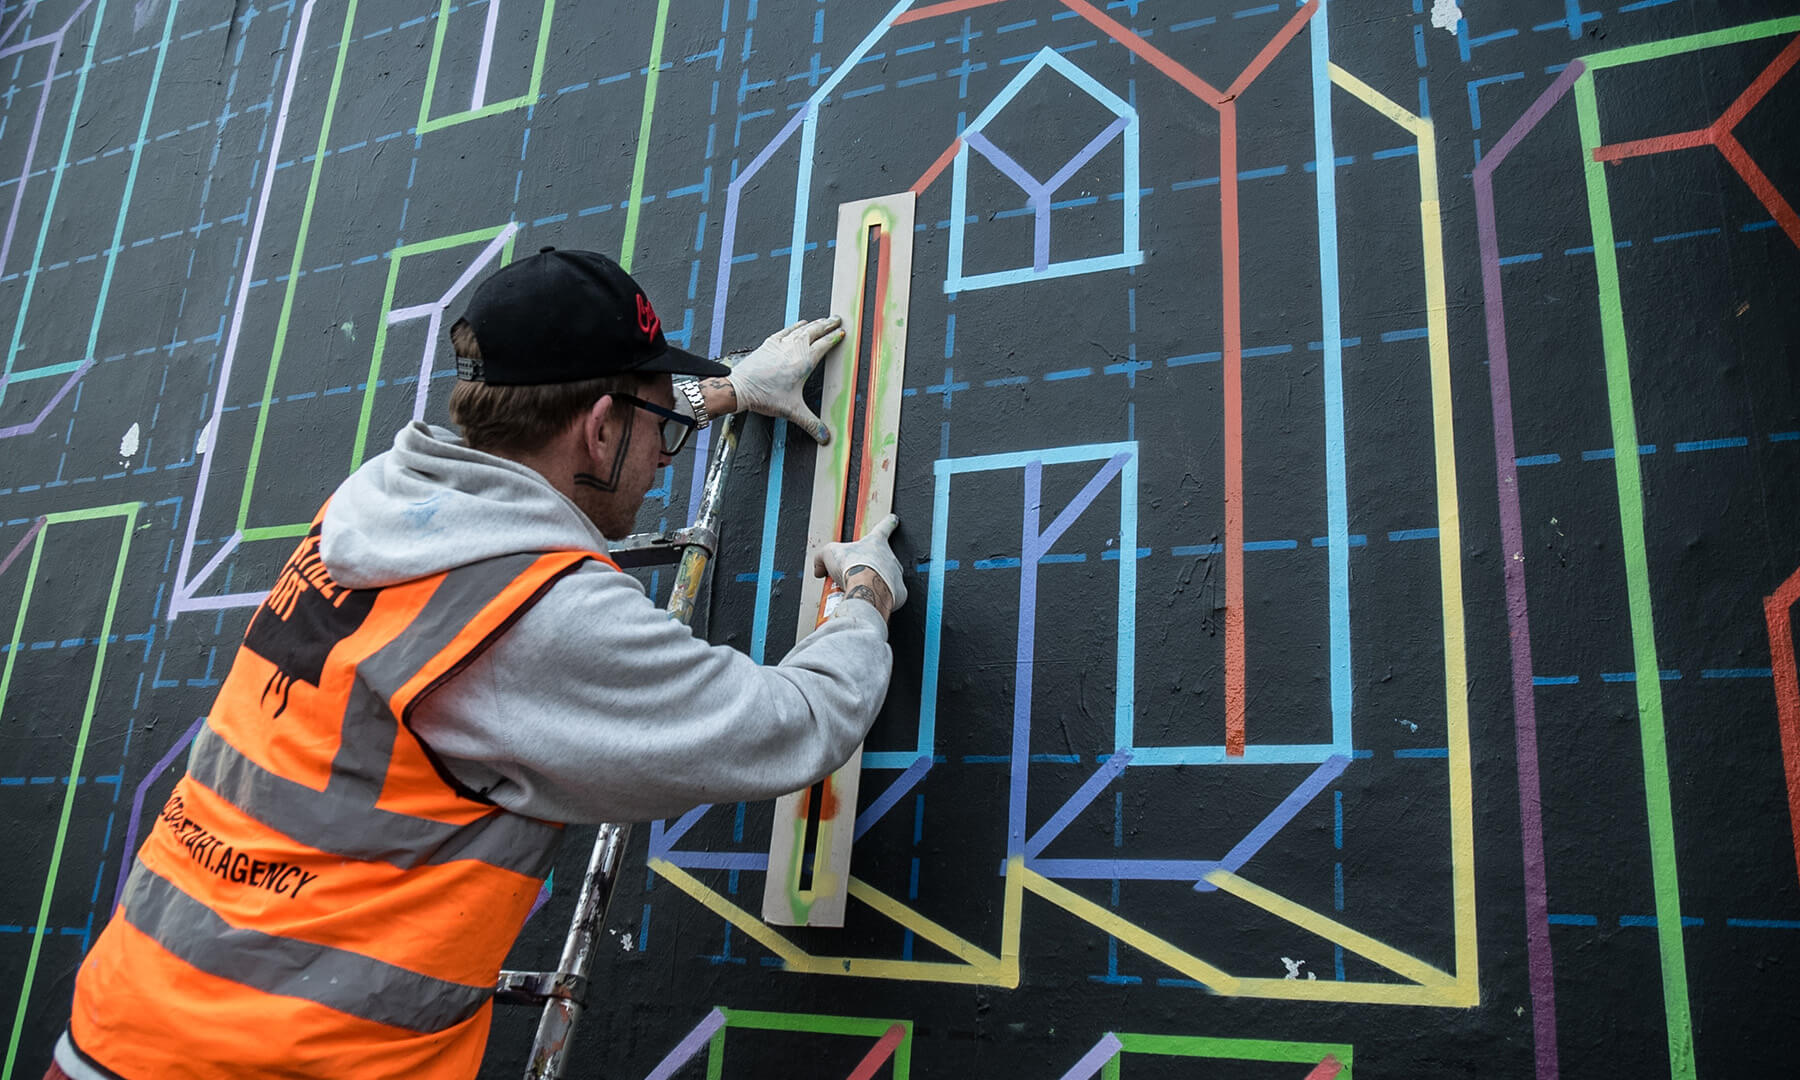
1185,550
1757,226
1010,27
1112,554
1066,268
1683,235
1262,174
1184,185
1412,534
1737,673
1356,540
47,371
1125,693
1711,444
996,564
1337,501
1574,920
1073,557
1395,152
1514,260
1010,380
1268,350
1414,333
934,610
864,91
1555,680
1424,752
1070,373
1597,455
929,76
910,49
1537,459
1192,24
1195,358
1264,754
1249,12
1271,545
1785,436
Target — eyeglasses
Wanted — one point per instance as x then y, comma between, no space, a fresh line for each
672,440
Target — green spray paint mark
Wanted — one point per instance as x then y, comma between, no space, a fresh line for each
293,281
129,512
1637,588
628,247
62,161
427,125
798,904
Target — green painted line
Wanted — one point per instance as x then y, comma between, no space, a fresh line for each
1195,1046
129,512
427,124
1655,50
812,1023
635,204
275,532
293,282
137,157
47,371
62,162
474,236
715,1056
1637,587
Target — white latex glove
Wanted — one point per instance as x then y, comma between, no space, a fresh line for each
768,381
872,551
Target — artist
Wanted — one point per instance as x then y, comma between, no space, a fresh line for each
448,668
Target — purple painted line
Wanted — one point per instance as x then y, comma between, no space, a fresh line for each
1027,648
1289,808
896,791
1094,1060
56,399
689,1046
543,896
1083,797
37,123
719,860
129,851
1082,500
36,527
1539,962
1040,192
662,840
19,19
1086,154
23,46
1124,869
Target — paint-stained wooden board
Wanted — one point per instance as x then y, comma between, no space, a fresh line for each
853,487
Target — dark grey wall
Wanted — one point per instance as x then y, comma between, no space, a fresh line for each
1511,797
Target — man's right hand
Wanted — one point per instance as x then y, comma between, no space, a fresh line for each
866,569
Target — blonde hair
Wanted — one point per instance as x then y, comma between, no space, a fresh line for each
522,419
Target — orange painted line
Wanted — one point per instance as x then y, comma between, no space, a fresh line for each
1275,45
1158,59
1783,63
1778,610
1778,207
1327,1069
937,167
948,7
1234,432
878,1054
1661,144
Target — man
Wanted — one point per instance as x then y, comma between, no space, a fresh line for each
446,668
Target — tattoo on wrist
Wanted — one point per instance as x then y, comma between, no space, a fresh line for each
720,384
875,590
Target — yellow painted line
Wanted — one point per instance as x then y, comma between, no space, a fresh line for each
1330,929
730,912
1458,995
1443,422
957,946
1128,932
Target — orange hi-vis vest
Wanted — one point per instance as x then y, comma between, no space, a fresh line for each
319,896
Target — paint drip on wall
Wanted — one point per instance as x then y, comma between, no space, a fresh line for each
128,445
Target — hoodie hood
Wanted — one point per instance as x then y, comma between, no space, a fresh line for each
432,503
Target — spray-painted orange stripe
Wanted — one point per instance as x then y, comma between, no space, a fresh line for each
1661,144
1158,59
937,167
1275,45
1759,87
1779,208
1778,610
869,434
878,1054
1234,432
948,7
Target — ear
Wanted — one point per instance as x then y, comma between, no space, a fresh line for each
593,424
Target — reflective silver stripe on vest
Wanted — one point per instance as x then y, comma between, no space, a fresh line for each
336,978
355,830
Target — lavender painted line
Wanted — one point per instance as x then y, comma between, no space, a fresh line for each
1123,869
1540,965
662,840
896,791
55,40
13,50
543,896
56,399
1083,797
716,347
129,851
1094,1060
689,1046
719,860
19,19
24,542
1289,808
1039,193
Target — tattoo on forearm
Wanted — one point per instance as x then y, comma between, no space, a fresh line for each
863,592
875,591
721,385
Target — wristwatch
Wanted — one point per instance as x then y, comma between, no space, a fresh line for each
690,389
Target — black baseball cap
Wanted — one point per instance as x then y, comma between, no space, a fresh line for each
565,316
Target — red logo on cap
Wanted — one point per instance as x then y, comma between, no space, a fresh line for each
647,320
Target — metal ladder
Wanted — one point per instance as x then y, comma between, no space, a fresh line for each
563,992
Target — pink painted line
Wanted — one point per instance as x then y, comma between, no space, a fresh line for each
36,527
688,1047
878,1054
1094,1060
183,599
1327,1069
1540,966
55,399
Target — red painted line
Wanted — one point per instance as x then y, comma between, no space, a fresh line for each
1234,432
1778,609
1778,207
1158,59
948,7
1783,63
1275,45
1327,1069
36,527
1661,144
869,434
937,167
879,1054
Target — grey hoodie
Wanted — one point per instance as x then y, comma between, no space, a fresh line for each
595,706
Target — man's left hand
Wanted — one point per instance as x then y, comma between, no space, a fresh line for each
768,381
